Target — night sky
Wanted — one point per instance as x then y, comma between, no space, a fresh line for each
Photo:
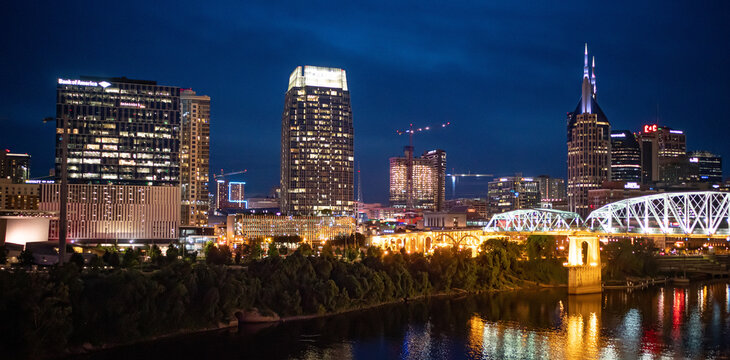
503,75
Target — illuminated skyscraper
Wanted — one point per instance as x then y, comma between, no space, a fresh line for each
429,180
552,192
15,167
221,195
709,166
663,155
194,157
235,195
124,139
625,157
438,161
589,144
121,131
317,150
512,193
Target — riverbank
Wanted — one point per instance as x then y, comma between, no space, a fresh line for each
268,321
64,308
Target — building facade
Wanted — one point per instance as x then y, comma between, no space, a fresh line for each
438,161
317,144
709,166
663,155
236,194
552,192
616,191
121,131
424,186
14,167
14,196
512,193
116,214
589,144
312,229
625,156
194,157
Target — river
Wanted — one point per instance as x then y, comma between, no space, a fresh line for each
658,322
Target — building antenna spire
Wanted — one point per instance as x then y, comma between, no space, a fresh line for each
585,62
593,76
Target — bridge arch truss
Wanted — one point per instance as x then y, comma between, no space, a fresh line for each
534,220
683,213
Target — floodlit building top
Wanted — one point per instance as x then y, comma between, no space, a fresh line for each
318,76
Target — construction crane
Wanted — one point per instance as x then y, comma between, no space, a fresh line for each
222,175
469,174
409,158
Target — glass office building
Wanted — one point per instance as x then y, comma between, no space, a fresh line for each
317,153
121,131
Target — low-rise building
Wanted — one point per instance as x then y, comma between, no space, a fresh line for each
612,191
312,229
18,196
444,220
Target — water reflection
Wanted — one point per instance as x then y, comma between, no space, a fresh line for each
689,322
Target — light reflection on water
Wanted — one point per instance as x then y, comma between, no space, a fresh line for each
660,322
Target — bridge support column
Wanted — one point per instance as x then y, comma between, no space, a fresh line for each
584,278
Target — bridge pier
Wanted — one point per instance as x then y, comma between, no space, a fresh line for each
584,278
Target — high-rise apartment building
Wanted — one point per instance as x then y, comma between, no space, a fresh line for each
15,167
194,157
589,144
552,192
512,193
121,131
427,186
221,194
438,161
709,166
317,145
236,194
625,156
663,155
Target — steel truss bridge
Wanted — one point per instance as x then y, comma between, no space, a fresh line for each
698,215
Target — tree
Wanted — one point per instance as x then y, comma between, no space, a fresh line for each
155,254
172,253
131,258
111,258
219,255
327,251
305,249
226,254
26,257
540,246
253,250
237,255
77,259
3,255
273,251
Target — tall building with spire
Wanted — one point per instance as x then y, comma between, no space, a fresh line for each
589,143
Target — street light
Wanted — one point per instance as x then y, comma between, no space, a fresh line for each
63,220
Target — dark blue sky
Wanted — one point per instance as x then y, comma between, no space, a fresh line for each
504,75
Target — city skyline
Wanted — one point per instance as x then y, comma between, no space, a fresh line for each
637,73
